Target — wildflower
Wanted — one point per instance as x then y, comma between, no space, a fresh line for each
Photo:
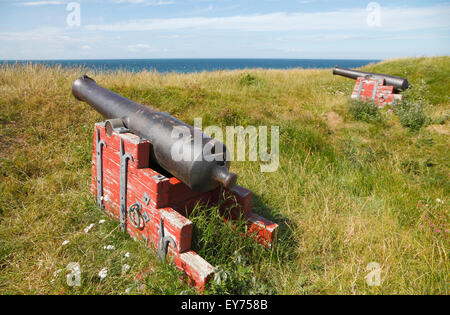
127,255
86,230
65,243
101,221
109,247
126,268
103,273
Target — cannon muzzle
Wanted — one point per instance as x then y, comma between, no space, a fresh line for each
397,82
167,135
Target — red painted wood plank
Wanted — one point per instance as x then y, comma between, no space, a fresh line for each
264,230
196,268
138,148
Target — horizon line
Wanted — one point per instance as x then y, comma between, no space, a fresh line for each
209,58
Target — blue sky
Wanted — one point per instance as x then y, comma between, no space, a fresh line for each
109,29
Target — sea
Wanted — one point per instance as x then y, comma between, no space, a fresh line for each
197,65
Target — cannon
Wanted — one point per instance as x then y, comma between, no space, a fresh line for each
397,82
197,172
137,180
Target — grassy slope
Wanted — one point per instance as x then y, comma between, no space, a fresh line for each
347,193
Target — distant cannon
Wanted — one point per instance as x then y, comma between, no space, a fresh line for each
397,82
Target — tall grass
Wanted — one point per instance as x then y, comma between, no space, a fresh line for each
347,193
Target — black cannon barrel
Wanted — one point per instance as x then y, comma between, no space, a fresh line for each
195,171
397,82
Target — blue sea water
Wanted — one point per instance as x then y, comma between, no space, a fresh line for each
198,65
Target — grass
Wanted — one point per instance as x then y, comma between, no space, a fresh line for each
365,111
348,192
226,248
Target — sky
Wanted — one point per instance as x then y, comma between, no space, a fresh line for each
311,29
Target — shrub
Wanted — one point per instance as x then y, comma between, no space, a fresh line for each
248,80
365,111
411,114
410,110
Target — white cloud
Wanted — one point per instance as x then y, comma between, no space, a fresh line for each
40,33
137,47
360,37
37,3
49,34
146,2
393,19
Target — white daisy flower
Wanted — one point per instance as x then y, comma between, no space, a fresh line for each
86,230
103,273
126,268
